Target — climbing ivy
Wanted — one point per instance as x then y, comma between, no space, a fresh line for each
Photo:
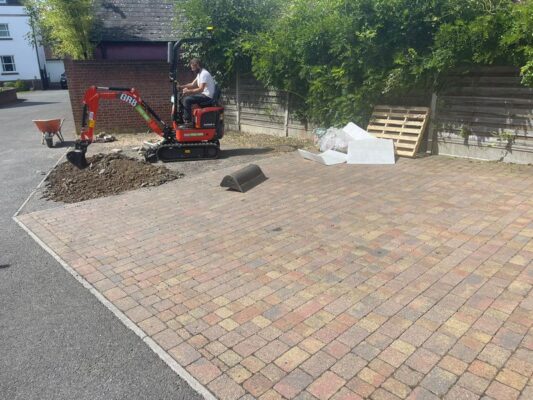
339,57
234,22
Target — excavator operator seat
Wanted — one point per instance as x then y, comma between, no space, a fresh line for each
214,100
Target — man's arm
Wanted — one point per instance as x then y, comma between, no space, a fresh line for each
189,85
196,90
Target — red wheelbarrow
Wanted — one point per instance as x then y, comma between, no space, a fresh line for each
49,128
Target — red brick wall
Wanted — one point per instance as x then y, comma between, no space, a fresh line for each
150,78
8,96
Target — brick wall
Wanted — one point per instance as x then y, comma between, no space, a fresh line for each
150,78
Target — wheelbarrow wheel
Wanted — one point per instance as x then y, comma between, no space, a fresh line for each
49,141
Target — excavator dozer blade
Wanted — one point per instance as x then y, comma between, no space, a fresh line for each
244,179
77,158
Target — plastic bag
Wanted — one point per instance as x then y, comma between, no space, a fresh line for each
317,134
334,139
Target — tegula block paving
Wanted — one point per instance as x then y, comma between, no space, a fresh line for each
345,282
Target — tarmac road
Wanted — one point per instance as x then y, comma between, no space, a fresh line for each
56,340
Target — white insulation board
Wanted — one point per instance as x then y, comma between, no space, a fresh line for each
357,133
329,157
371,151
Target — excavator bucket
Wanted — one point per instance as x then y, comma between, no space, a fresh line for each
244,179
77,158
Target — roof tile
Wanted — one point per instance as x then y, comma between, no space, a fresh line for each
137,20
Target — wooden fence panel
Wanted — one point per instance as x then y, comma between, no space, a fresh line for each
252,108
487,110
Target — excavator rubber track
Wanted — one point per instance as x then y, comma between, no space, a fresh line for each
183,151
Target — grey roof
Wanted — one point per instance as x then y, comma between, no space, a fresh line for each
137,20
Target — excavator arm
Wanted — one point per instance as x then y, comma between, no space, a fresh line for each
133,99
91,103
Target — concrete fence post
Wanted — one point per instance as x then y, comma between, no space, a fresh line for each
286,123
238,101
432,131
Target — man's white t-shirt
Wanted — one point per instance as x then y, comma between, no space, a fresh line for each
205,77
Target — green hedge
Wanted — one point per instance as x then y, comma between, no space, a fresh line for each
21,86
340,57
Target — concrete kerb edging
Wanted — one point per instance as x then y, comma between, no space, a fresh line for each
161,353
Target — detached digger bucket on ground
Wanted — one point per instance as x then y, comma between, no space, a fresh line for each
244,179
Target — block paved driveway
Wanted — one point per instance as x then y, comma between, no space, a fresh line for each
343,282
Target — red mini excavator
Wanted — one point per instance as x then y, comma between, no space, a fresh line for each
180,142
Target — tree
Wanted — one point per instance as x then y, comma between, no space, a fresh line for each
67,26
234,21
521,37
500,32
342,56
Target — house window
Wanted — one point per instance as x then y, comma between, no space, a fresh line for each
8,64
4,30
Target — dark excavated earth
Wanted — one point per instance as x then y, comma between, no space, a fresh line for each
107,174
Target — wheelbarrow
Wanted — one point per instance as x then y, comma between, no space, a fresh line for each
49,128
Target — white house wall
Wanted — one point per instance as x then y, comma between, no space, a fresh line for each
27,66
54,69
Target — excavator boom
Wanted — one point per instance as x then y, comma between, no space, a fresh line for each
91,102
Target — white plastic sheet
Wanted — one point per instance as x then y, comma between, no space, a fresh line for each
329,157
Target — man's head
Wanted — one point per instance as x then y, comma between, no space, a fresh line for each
196,65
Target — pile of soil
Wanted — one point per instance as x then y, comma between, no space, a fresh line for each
107,174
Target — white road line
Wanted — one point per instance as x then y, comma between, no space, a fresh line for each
161,353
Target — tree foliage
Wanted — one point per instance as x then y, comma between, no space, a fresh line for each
339,57
67,26
499,32
342,56
235,21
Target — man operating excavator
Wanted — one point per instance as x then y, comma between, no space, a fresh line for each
199,140
200,91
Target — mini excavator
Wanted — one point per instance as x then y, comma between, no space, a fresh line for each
179,141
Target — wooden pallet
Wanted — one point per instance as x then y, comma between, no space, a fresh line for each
404,125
